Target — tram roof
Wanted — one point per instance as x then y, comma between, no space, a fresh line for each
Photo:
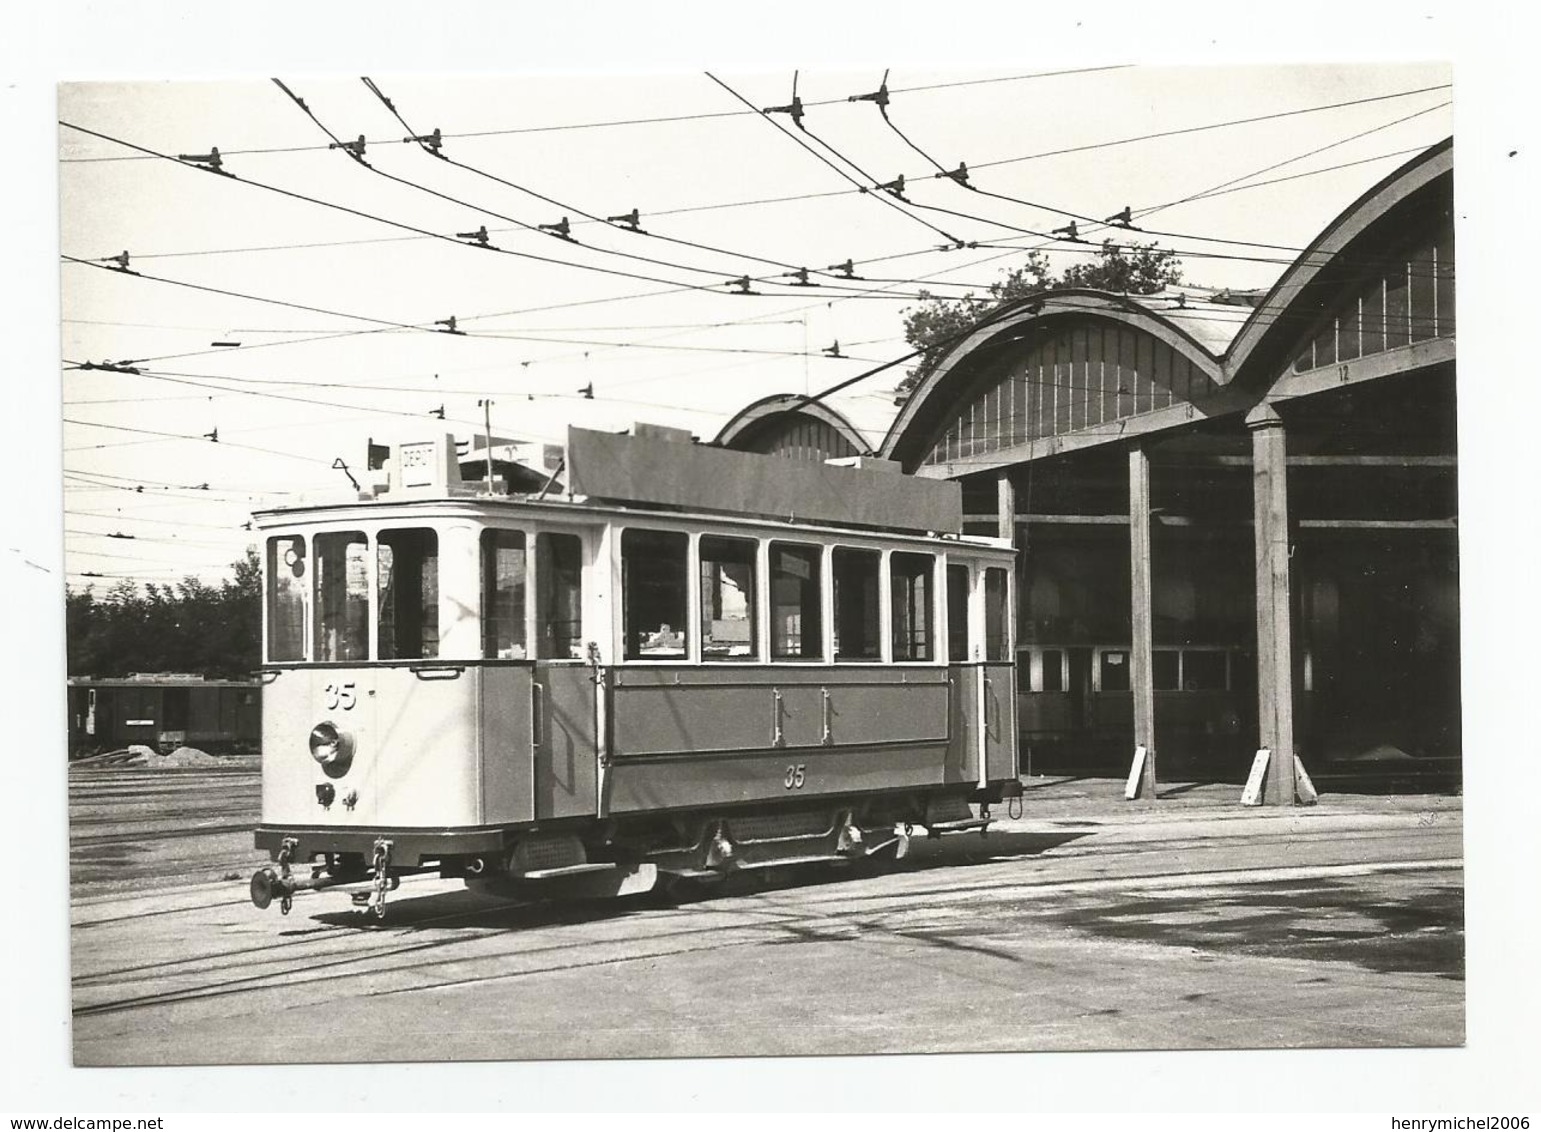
663,471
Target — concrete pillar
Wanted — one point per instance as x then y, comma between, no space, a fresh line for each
1275,673
1141,670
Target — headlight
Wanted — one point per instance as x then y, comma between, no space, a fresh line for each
332,748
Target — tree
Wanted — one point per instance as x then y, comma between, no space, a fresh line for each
935,325
187,627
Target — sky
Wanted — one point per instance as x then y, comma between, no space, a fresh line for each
182,77
336,282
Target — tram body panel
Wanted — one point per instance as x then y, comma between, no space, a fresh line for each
700,709
999,722
963,716
566,778
686,737
294,702
426,746
652,783
505,745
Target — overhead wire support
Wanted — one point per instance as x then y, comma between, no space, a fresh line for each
109,367
210,162
880,98
794,109
631,221
354,149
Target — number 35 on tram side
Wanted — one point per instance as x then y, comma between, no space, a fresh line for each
686,661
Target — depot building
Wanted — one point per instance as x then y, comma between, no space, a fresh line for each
1237,514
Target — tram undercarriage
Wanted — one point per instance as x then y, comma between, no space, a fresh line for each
667,854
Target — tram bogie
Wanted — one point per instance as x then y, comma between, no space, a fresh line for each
660,672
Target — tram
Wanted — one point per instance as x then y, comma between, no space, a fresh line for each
681,662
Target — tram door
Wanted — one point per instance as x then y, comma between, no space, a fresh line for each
564,703
962,677
984,737
998,701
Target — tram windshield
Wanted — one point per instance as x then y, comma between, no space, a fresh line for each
342,596
287,584
503,588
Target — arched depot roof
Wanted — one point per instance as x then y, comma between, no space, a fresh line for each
786,424
1372,295
1385,265
1055,365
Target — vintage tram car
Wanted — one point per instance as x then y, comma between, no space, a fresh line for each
683,662
163,711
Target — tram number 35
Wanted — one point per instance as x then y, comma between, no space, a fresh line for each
339,696
795,776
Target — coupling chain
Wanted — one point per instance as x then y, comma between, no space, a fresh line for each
285,855
382,880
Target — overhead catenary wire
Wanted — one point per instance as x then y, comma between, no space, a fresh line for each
398,223
195,439
656,120
961,178
1265,261
550,229
841,172
609,221
929,250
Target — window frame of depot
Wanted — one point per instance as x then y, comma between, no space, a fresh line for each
912,606
810,587
668,580
858,617
504,607
716,558
290,567
407,591
559,589
356,608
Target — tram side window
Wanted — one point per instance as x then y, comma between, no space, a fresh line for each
503,586
856,576
997,630
1053,670
407,578
957,613
1203,670
728,599
654,575
342,596
1115,671
911,577
797,626
1163,663
286,598
559,596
